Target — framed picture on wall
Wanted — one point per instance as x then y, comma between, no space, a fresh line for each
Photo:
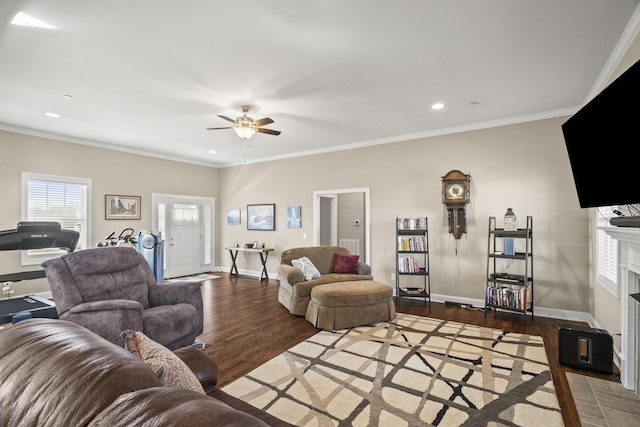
233,216
261,217
122,207
293,217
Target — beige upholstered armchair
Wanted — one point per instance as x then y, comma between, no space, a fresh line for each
295,289
108,290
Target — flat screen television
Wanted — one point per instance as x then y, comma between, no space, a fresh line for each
602,139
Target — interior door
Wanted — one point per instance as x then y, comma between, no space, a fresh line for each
328,220
184,239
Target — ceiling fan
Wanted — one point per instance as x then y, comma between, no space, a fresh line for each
246,126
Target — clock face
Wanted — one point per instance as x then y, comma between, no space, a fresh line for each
455,191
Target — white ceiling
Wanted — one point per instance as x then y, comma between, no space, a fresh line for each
149,76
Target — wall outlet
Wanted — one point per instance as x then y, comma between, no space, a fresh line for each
393,276
304,235
6,290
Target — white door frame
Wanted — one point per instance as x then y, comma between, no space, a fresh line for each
158,198
367,213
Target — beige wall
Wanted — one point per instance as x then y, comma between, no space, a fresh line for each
112,172
523,166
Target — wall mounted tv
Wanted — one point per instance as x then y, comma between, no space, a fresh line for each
601,139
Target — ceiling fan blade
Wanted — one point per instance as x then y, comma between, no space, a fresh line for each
268,131
228,119
219,128
262,122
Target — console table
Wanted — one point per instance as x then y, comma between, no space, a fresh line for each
263,252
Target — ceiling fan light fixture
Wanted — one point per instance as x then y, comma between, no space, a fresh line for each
244,132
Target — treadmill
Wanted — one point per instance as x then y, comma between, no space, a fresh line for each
26,236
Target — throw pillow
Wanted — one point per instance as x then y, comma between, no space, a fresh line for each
345,263
305,265
171,370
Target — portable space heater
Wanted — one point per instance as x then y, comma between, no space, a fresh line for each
586,348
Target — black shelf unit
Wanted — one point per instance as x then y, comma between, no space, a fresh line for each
506,290
413,279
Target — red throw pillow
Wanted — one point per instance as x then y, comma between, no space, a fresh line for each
343,263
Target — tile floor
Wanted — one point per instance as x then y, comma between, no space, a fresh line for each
603,403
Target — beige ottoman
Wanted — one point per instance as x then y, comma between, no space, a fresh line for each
346,304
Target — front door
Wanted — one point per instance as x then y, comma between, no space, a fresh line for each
187,227
184,238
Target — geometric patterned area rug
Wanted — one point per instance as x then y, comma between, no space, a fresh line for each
411,371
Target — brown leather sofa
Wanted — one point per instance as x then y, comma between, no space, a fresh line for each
57,373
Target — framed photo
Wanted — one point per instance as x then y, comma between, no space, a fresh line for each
261,217
121,207
233,216
293,217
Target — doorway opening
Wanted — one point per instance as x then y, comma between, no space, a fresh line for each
341,217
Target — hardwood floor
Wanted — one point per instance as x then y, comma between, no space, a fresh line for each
246,326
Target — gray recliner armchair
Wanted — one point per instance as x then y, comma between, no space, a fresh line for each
108,290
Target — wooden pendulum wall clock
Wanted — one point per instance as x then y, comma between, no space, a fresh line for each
455,195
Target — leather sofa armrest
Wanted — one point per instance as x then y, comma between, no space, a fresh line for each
204,368
290,274
364,269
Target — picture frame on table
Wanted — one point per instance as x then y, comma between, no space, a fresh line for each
261,217
122,207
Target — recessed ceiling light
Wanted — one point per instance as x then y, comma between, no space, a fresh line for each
438,106
54,115
25,20
213,151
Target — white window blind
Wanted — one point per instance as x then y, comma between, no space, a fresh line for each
65,200
606,253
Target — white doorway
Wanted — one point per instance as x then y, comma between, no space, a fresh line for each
186,224
318,229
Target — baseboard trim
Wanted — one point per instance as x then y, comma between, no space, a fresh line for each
553,313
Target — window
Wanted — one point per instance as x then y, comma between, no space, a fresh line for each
606,253
62,199
185,214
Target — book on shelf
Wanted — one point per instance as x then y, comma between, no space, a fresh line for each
419,223
409,265
414,244
518,299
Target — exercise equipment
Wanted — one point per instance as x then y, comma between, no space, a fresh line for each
35,235
30,235
125,236
151,247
